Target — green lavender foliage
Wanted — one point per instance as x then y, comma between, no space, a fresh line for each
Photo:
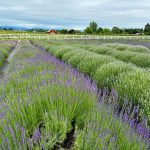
29,98
4,52
125,71
107,75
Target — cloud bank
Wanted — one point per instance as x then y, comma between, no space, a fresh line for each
75,13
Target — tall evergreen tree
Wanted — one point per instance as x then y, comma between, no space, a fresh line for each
147,29
93,27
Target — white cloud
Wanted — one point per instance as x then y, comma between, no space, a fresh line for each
75,13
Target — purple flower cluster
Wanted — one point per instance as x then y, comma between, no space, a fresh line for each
131,116
36,136
1,115
59,69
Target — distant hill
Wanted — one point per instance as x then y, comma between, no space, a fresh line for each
3,27
22,28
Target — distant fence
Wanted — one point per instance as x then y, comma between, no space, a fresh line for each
63,37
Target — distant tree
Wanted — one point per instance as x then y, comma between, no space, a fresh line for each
129,31
106,31
93,26
147,29
78,31
37,30
71,31
116,30
63,31
133,31
99,30
88,30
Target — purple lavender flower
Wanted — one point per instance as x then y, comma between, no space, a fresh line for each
125,117
114,94
135,110
1,115
132,122
22,136
36,136
30,144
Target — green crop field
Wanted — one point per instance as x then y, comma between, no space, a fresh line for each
74,94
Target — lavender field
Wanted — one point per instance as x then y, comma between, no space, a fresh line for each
76,95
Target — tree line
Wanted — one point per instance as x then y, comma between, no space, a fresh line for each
94,29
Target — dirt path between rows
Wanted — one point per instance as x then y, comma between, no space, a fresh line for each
12,52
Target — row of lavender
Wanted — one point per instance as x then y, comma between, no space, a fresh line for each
80,59
107,71
137,55
127,79
43,101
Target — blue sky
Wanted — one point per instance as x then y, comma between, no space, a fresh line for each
74,13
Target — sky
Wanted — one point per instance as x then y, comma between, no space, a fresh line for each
75,13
